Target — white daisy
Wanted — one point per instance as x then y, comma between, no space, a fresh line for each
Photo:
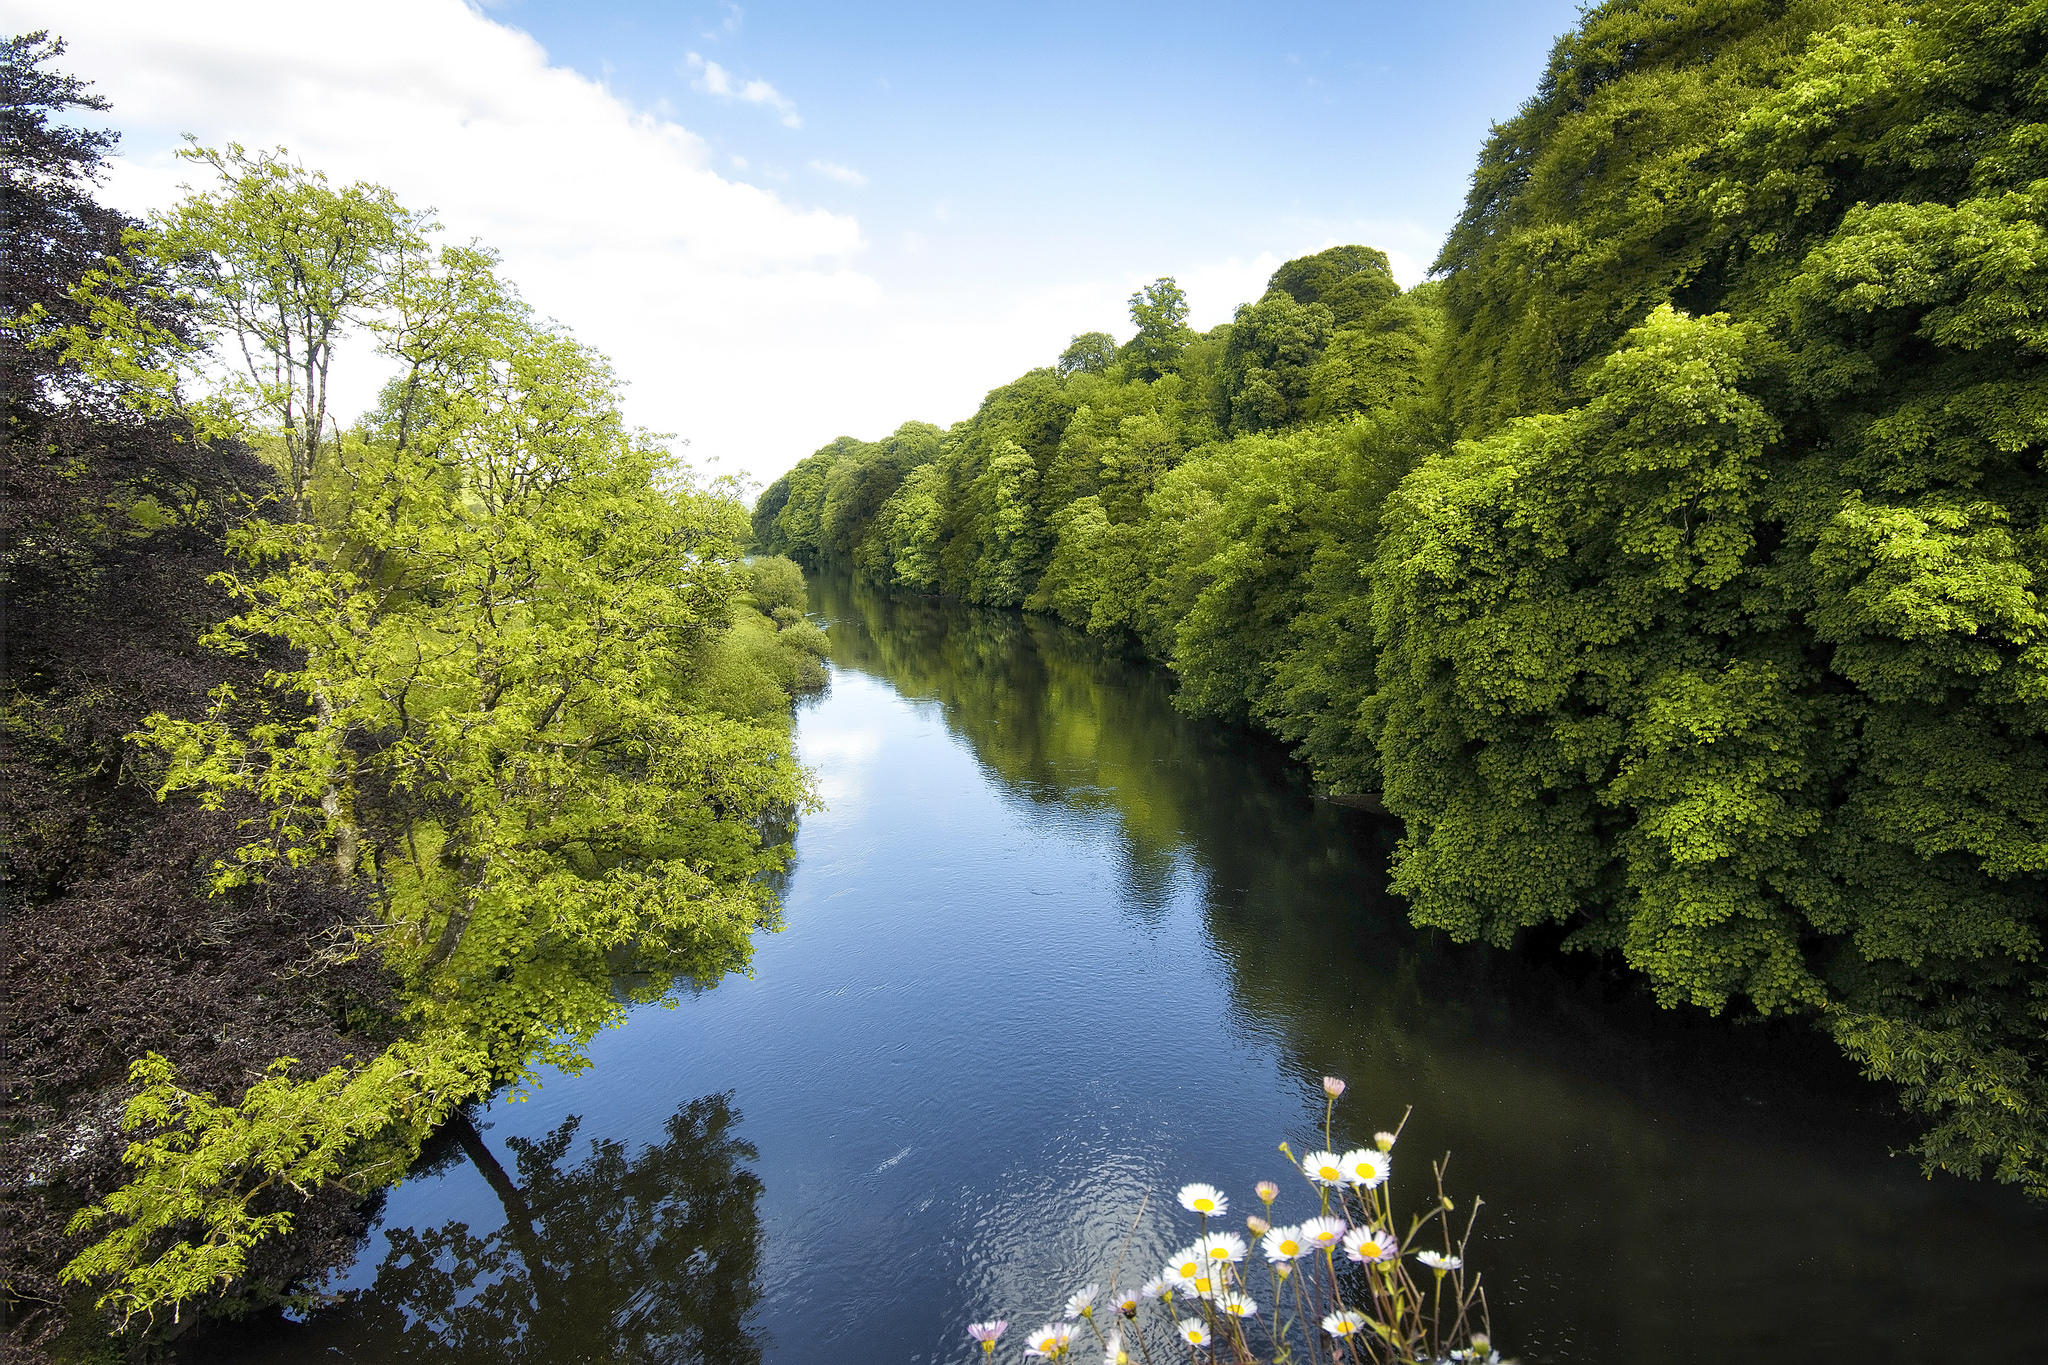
1238,1305
1322,1233
1221,1246
1160,1285
1113,1352
1343,1324
1366,1167
1436,1260
1127,1302
1204,1199
1283,1244
1082,1305
1370,1246
1050,1341
987,1332
1325,1168
1185,1264
1193,1332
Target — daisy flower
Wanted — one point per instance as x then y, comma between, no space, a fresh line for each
1267,1192
1082,1305
1370,1246
1366,1167
1332,1087
1204,1199
1238,1305
987,1332
1383,1140
1050,1341
1159,1286
1259,1227
1221,1246
1193,1332
1437,1261
1185,1264
1325,1168
1343,1324
1283,1244
1322,1233
1127,1302
1113,1352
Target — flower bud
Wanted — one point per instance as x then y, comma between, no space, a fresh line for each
1332,1087
1448,1205
1259,1226
1384,1141
1268,1192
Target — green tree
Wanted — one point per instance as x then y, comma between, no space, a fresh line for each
1269,360
1160,313
484,712
1088,353
1353,282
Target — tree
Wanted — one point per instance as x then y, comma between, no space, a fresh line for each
481,711
276,267
1353,282
1088,353
1269,360
1160,312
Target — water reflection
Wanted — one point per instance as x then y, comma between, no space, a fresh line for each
606,1256
1053,947
1662,1185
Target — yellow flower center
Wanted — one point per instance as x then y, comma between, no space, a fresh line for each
1189,1269
1331,1172
1205,1206
1289,1247
1219,1253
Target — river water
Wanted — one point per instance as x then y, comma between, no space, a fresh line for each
1050,947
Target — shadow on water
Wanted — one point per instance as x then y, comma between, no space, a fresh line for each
602,1254
1661,1185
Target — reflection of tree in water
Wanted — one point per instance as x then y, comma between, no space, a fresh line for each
653,1257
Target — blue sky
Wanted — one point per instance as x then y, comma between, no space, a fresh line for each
1062,134
786,222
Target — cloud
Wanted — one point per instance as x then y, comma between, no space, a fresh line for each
845,175
713,79
613,220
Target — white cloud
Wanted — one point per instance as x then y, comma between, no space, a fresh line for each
713,79
748,323
613,220
845,175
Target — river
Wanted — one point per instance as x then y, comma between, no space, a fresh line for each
1050,946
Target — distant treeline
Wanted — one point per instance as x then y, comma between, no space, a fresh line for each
1675,561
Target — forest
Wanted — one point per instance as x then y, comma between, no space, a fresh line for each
352,771
1672,562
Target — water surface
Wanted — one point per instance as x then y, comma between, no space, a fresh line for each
1050,947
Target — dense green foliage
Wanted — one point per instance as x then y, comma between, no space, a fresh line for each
492,713
1674,564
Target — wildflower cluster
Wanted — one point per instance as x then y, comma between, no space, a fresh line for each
1341,1284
